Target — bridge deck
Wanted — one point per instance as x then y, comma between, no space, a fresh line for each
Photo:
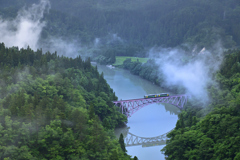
146,98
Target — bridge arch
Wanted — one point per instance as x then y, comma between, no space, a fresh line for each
131,106
134,140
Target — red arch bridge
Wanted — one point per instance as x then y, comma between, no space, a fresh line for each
129,107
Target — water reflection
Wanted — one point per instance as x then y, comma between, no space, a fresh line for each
150,121
131,139
173,110
120,79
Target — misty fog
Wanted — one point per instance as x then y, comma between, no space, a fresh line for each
25,30
193,71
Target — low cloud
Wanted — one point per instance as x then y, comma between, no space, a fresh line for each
25,29
68,48
192,71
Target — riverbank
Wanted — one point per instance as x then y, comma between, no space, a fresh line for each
151,121
147,69
121,59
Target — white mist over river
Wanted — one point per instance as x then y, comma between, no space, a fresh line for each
151,121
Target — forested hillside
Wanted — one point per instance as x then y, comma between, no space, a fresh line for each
215,135
167,23
55,107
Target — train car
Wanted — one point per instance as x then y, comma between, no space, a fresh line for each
156,95
163,95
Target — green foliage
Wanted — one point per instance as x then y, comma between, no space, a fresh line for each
106,52
55,107
121,142
215,135
121,59
149,70
166,23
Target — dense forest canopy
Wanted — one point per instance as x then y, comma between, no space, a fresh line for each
52,106
55,107
167,23
211,132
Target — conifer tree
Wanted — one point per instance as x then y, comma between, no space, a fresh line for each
122,144
135,158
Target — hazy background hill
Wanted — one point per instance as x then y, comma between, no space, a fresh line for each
166,23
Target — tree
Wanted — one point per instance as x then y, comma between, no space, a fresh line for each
122,144
91,111
114,155
135,158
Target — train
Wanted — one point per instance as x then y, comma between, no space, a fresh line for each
156,95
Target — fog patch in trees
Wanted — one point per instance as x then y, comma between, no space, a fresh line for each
193,71
25,29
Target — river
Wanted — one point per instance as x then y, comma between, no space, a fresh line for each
150,121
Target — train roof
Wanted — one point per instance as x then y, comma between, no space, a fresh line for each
155,94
